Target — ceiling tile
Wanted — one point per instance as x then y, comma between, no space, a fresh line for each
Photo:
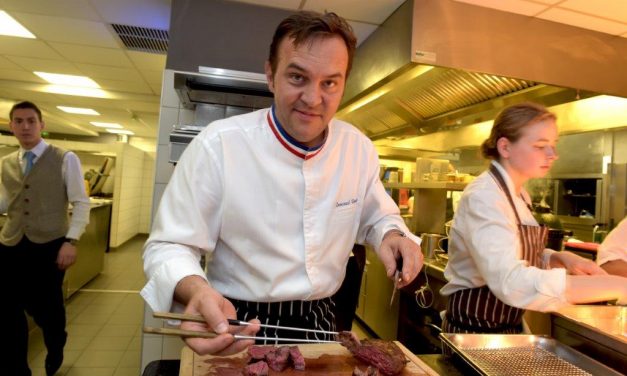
611,9
80,9
45,65
145,60
525,8
156,88
283,4
583,21
27,47
144,13
68,30
19,75
7,64
372,11
152,76
112,73
93,55
125,86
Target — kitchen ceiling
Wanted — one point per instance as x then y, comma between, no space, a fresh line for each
77,37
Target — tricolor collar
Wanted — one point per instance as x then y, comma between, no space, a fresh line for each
288,141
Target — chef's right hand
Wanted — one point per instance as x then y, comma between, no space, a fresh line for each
203,300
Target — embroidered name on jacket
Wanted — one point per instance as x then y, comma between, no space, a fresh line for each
352,201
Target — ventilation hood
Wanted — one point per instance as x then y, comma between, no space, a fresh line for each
437,65
222,87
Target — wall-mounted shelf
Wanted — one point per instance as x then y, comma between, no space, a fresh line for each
449,186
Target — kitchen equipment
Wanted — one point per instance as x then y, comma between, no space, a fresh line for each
429,244
197,318
495,354
397,275
327,359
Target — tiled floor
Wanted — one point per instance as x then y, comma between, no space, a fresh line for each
104,320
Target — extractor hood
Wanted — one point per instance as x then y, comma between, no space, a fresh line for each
223,87
437,65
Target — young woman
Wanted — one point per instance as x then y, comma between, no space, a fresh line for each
498,265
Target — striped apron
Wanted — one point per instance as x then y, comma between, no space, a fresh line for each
307,314
478,310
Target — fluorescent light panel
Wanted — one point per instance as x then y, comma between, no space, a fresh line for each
78,110
68,79
120,131
9,26
105,125
76,90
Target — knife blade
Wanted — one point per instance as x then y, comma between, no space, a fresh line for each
397,274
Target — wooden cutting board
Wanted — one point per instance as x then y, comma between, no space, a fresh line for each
328,359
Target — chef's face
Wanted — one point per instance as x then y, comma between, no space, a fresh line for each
26,126
308,85
533,154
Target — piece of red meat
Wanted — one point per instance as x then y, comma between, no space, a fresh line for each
257,369
278,360
297,358
384,355
259,352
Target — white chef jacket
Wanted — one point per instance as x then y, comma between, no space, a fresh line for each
614,246
75,187
484,249
276,221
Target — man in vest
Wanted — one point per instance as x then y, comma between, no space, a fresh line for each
38,240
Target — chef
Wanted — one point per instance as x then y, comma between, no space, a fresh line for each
498,265
612,253
275,200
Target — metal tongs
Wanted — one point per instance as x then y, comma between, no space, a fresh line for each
397,276
199,334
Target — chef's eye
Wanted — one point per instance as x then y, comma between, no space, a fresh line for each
296,78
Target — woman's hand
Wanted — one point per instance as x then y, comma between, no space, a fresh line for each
575,265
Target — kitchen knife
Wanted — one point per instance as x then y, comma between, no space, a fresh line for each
397,275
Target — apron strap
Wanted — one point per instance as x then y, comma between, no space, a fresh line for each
501,183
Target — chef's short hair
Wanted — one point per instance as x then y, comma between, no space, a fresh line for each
307,25
510,122
25,105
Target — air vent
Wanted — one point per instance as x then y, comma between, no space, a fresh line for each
143,39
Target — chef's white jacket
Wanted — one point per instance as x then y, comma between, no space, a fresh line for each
484,249
614,246
276,221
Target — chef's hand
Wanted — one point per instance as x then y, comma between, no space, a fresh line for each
203,300
396,245
575,265
66,256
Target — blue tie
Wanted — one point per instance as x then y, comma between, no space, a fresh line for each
30,157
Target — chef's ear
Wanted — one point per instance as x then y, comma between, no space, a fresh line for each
503,146
269,75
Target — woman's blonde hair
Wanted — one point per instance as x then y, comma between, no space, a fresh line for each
510,122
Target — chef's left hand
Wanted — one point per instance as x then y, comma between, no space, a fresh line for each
394,246
575,265
66,256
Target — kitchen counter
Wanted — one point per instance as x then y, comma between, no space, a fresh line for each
598,331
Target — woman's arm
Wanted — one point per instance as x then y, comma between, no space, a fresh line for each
575,265
589,289
616,267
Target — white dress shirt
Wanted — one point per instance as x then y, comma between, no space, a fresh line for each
614,246
484,249
274,226
73,178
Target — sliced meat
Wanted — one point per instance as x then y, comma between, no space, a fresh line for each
259,352
278,359
257,369
384,355
297,358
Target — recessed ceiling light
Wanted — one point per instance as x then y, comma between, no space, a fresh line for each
78,110
120,131
67,79
76,90
9,26
105,125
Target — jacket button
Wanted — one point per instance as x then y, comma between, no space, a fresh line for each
27,186
26,200
26,213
